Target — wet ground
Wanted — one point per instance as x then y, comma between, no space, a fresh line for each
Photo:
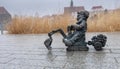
29,52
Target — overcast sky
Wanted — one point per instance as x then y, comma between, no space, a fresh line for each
46,7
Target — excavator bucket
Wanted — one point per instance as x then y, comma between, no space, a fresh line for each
48,43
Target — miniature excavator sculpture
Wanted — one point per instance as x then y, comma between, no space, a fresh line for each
75,39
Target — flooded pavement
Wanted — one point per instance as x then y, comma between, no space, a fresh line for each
28,52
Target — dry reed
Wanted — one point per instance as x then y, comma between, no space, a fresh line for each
103,22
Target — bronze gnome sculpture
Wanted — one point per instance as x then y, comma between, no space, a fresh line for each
75,39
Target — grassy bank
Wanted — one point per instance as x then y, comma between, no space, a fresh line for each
103,22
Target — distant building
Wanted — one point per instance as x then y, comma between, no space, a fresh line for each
97,8
5,16
73,9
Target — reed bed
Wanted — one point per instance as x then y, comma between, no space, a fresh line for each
101,22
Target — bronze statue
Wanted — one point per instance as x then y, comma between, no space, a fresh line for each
75,39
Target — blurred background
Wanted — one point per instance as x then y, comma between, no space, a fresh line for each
43,16
49,7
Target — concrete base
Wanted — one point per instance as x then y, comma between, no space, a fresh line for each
77,48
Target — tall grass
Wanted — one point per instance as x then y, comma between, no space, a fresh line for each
36,25
103,22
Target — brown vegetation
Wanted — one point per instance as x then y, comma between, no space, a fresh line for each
103,22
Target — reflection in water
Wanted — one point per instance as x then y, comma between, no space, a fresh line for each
69,54
85,60
50,56
79,59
